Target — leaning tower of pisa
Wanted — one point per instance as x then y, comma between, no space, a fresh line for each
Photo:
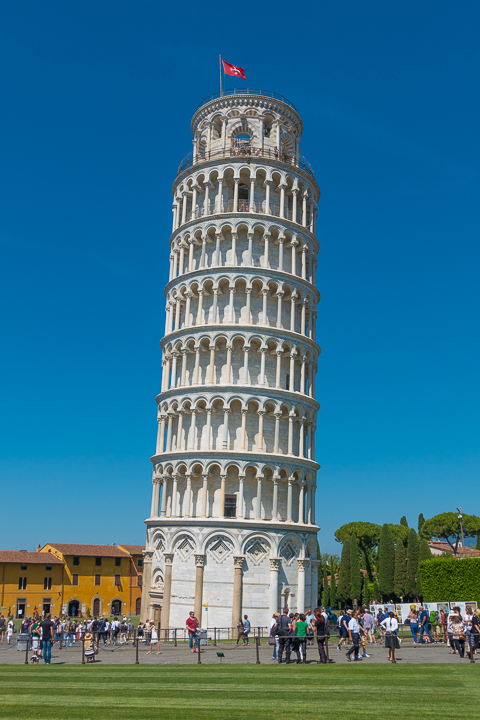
232,523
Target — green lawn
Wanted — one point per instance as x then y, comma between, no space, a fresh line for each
240,692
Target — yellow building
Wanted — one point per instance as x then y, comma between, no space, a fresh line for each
98,579
30,582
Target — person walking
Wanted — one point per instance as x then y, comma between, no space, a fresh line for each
283,630
192,627
46,628
343,628
153,639
423,626
413,615
321,630
115,629
300,628
272,635
354,635
475,633
241,632
390,625
246,627
458,635
368,626
3,628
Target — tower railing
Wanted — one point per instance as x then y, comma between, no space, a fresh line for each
243,206
248,152
247,91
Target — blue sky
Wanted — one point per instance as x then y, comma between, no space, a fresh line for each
96,106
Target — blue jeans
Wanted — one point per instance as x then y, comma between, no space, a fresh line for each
355,646
424,629
414,629
192,640
47,651
246,635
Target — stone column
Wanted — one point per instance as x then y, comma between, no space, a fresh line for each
241,479
314,575
228,371
302,565
289,499
258,512
211,368
221,513
163,510
244,429
235,195
237,589
155,497
199,320
275,499
208,430
204,494
197,364
301,503
188,497
226,413
276,441
199,564
246,349
146,583
275,564
260,444
167,591
278,370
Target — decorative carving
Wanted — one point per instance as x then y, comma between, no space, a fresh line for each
302,564
168,558
275,563
147,556
160,543
288,552
157,581
220,548
257,550
184,547
199,560
238,562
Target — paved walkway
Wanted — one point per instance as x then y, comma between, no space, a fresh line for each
181,655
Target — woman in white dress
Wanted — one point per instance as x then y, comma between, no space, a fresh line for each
153,639
9,631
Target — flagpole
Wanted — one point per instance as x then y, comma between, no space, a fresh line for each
221,91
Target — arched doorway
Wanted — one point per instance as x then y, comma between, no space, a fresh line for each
96,607
73,608
116,607
138,605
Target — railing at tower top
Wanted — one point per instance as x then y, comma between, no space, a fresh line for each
246,151
246,91
243,206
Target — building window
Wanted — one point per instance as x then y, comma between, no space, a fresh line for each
117,580
118,562
76,560
230,506
139,580
22,583
48,568
98,561
140,562
23,567
97,579
47,583
75,579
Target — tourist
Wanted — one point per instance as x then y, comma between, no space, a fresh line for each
321,630
192,627
246,627
272,635
240,632
140,633
89,646
458,635
363,634
9,631
115,629
123,633
300,627
283,629
381,615
130,630
153,639
368,626
475,630
343,627
310,618
413,615
423,626
3,628
467,619
47,630
354,635
390,625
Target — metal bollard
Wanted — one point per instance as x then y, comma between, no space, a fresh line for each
136,652
257,647
326,649
215,637
392,648
83,651
470,645
199,659
175,637
26,652
304,650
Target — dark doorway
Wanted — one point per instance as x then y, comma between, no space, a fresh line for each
116,607
96,607
21,606
73,608
138,606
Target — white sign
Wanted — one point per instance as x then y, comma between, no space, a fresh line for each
83,608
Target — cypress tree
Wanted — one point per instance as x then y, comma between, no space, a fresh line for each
403,521
421,522
400,570
477,546
375,592
366,591
355,574
411,584
343,588
333,590
386,562
424,552
325,593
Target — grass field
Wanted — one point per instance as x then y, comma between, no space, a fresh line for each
240,692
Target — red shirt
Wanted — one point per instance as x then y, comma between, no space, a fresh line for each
192,624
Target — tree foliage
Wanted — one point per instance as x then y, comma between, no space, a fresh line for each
343,588
400,570
403,521
333,592
366,592
421,521
386,562
355,574
326,589
446,526
367,534
411,585
448,578
399,532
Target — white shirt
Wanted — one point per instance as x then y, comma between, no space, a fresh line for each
390,624
353,625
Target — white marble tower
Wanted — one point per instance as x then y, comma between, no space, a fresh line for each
232,523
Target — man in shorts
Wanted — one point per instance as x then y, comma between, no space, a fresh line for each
343,627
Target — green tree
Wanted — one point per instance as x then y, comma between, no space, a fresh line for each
421,522
400,570
446,526
326,589
367,534
399,532
375,594
366,591
386,562
477,546
403,521
355,574
333,592
343,588
411,584
424,552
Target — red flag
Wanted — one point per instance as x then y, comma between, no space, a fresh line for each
233,70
